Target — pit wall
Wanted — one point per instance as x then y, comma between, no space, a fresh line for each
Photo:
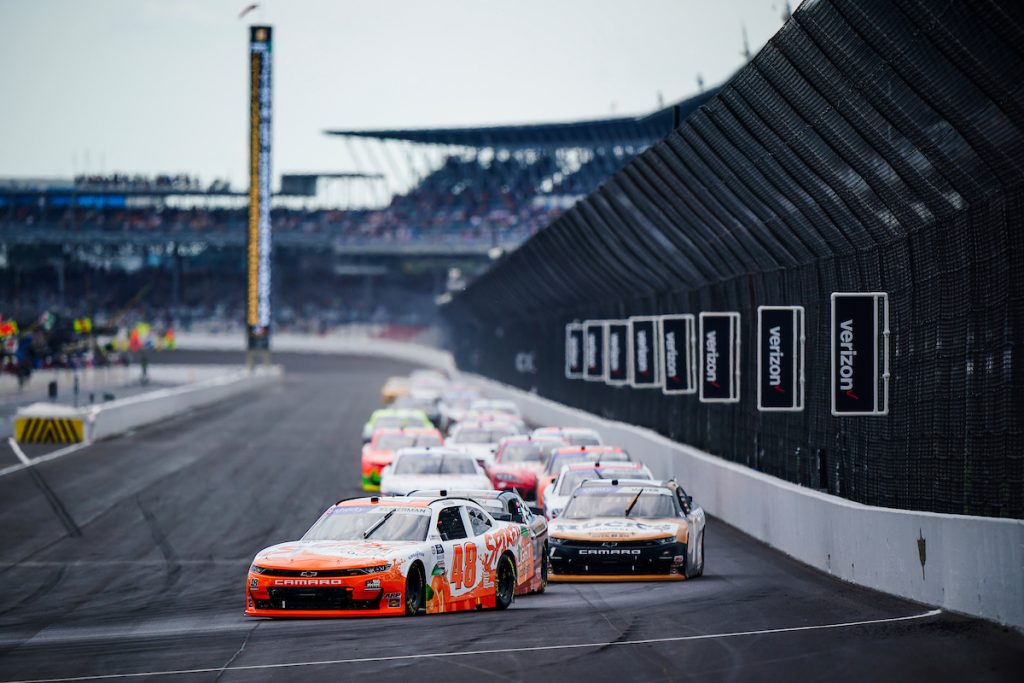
201,386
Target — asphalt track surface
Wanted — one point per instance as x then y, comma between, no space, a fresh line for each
143,575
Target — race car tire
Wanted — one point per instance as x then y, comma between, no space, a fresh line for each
700,567
415,591
504,583
543,571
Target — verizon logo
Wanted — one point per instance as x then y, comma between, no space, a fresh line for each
711,358
671,355
642,352
846,356
775,359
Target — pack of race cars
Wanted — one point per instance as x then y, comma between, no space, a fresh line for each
446,526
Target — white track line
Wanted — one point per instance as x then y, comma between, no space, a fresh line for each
28,462
501,651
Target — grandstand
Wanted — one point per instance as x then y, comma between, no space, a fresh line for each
375,245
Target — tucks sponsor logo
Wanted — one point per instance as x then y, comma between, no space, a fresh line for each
642,352
711,358
846,359
308,582
671,355
775,359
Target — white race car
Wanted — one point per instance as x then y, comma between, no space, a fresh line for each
574,474
431,468
480,439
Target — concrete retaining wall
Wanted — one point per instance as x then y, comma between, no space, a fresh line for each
328,344
973,565
116,417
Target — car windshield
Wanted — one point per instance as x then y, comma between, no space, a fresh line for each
434,463
581,439
350,523
612,501
475,435
570,480
397,422
559,459
525,451
392,442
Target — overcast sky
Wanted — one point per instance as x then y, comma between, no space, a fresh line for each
147,86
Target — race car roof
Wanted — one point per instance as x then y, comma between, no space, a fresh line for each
613,465
387,501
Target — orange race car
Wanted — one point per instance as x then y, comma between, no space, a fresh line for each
380,451
394,556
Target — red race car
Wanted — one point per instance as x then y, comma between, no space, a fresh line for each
519,460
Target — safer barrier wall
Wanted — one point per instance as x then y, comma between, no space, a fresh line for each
973,565
117,417
871,146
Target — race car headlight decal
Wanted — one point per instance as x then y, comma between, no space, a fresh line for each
377,569
556,541
555,512
667,540
258,570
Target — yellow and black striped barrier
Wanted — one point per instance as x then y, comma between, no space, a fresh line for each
48,430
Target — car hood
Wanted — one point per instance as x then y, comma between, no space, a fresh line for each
401,484
321,555
616,529
481,451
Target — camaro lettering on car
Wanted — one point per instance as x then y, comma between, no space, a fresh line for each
607,551
308,582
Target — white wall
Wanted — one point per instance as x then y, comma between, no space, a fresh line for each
116,417
973,565
329,344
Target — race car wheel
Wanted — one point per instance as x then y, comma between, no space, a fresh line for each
700,567
544,571
415,591
504,583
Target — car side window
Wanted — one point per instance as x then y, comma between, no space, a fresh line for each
517,512
479,521
449,524
683,502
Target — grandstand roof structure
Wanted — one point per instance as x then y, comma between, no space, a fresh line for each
624,130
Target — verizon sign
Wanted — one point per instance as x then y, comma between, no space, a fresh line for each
593,350
643,352
678,354
616,341
573,351
860,353
780,358
719,357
